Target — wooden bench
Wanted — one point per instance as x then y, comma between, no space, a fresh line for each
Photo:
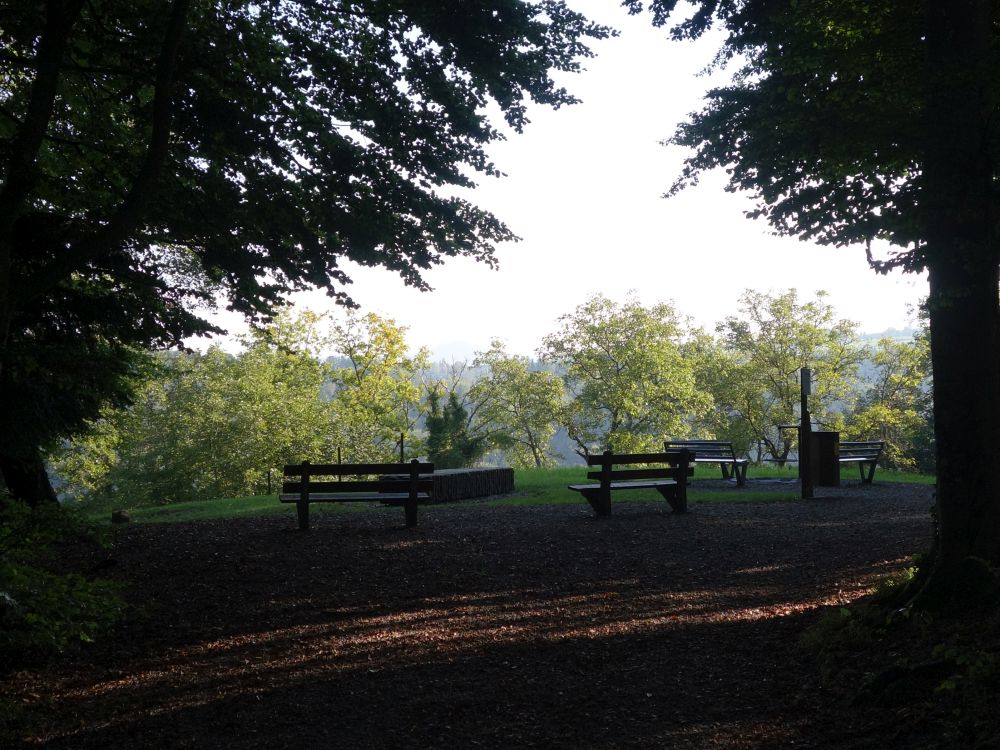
669,478
864,453
715,452
405,484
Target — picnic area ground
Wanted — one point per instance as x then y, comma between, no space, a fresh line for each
487,627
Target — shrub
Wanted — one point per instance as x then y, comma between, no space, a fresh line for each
43,610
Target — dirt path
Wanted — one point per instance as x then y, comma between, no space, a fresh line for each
484,627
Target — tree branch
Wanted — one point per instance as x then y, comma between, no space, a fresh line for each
22,167
130,211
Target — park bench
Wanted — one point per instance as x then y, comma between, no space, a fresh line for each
864,453
715,452
666,472
405,484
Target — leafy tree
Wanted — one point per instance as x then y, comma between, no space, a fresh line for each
449,444
715,373
171,152
520,403
64,364
629,383
896,406
765,346
376,397
873,121
214,424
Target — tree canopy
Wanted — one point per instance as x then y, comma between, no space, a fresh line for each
874,120
630,384
762,350
172,153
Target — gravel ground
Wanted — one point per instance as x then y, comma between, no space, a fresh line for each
485,627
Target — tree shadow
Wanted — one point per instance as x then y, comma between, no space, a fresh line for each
490,628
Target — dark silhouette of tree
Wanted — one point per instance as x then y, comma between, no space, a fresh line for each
876,121
177,152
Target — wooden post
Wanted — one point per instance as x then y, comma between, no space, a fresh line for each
805,436
411,500
677,498
401,458
303,504
604,497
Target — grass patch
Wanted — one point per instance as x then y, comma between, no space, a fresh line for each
532,487
550,487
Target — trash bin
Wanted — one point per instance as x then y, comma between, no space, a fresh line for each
825,447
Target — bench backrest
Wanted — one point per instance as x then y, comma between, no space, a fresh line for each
673,464
706,449
861,449
390,477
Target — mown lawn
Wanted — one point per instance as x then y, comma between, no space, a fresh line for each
532,487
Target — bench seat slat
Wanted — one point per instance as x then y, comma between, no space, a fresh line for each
598,459
620,474
353,497
341,470
366,485
648,485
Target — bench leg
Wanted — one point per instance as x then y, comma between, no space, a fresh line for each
675,496
740,470
411,513
303,510
725,470
871,473
599,501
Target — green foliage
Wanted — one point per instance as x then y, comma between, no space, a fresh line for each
287,136
449,444
845,630
375,397
211,424
159,156
761,351
519,405
44,612
625,371
215,424
840,74
897,407
871,123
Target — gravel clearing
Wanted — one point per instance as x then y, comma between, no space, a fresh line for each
485,627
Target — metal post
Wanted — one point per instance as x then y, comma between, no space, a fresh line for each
805,436
401,459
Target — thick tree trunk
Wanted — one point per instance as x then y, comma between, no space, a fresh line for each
962,262
27,480
965,341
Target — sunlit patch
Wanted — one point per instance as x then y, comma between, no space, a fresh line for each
407,544
440,630
760,569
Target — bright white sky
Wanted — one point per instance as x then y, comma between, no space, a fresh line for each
584,191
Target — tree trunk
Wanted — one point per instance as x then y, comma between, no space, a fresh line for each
27,480
962,262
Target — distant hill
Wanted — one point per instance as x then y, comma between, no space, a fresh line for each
892,333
